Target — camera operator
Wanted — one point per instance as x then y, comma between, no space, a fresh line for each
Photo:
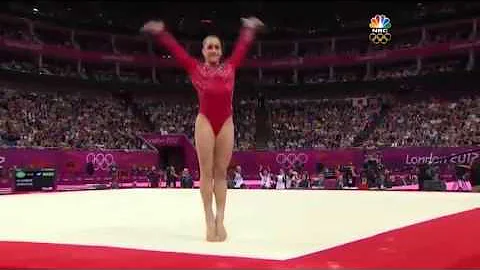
348,175
372,172
376,172
426,172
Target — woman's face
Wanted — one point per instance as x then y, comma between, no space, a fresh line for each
212,50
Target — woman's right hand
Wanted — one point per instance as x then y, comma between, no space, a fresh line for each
153,27
252,22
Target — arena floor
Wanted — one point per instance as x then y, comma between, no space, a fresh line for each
149,228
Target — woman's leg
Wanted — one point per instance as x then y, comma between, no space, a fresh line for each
223,154
205,145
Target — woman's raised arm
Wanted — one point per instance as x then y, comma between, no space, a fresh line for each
164,38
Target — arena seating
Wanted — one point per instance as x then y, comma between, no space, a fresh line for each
106,120
73,120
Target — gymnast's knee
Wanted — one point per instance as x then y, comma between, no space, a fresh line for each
220,173
206,179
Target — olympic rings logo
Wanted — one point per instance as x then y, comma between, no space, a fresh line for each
291,158
100,161
380,38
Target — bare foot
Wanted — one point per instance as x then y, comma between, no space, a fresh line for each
221,231
211,231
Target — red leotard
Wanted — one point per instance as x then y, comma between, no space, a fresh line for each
214,84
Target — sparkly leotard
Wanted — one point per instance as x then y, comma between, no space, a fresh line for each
214,84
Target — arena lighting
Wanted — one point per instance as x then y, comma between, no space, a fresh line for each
35,10
206,21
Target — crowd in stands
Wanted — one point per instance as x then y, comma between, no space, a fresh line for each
179,118
317,124
78,120
74,120
430,122
43,34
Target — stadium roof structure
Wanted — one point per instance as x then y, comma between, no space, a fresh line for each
285,19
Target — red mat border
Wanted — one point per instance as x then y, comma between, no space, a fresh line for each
399,248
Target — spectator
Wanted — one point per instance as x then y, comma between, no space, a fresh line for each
186,181
171,177
430,123
238,178
281,182
265,178
153,178
305,182
49,119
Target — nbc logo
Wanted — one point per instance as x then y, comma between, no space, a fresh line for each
379,25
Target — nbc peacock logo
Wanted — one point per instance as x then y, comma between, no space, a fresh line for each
380,22
380,25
